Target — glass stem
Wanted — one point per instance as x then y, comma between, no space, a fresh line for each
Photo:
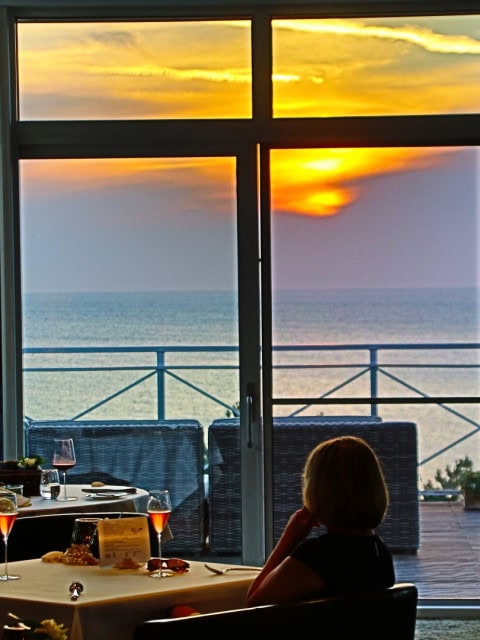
6,555
65,485
159,536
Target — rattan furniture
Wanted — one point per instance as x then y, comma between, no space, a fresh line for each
147,454
395,442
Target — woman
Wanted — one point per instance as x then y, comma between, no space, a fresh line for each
344,489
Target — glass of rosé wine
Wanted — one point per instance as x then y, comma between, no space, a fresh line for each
159,508
8,515
63,460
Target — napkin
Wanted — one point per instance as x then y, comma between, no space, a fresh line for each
109,489
22,501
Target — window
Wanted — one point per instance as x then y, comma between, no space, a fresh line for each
376,66
134,70
207,137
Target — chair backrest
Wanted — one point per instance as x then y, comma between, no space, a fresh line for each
394,441
140,453
32,536
389,614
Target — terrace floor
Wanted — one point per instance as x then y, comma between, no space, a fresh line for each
447,565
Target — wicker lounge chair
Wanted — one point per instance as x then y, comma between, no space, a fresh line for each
148,454
394,442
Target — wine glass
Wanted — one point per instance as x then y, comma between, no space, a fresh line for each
159,508
85,533
49,484
63,460
8,515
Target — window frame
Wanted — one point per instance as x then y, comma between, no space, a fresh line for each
148,138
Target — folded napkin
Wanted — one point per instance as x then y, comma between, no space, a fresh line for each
111,488
22,501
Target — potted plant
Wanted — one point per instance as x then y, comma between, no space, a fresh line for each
470,485
31,462
25,471
461,476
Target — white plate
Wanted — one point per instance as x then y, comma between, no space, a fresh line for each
105,496
109,489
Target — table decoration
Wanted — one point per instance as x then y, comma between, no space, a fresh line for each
31,462
76,554
25,471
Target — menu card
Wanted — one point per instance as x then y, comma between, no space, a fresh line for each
123,540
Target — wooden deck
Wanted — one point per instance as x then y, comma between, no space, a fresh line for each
447,565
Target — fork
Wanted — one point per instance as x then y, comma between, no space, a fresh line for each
222,572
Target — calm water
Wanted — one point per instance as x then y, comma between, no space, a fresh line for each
300,318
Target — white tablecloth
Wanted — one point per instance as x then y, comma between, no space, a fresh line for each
131,502
114,601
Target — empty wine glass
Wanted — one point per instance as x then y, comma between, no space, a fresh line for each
159,508
63,460
8,515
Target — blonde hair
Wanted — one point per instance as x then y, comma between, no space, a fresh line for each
344,485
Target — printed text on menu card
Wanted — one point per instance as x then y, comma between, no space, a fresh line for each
121,539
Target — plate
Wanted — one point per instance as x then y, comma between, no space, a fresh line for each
105,496
109,489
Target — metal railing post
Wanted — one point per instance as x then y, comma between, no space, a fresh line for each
160,385
373,380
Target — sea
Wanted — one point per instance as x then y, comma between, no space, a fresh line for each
204,384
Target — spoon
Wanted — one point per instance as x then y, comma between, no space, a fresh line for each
222,572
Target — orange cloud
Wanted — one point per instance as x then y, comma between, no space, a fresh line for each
322,182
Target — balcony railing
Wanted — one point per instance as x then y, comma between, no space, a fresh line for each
202,382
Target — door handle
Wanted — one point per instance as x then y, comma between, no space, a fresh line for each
250,405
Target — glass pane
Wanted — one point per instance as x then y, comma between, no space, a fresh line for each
126,70
376,66
134,254
376,270
378,246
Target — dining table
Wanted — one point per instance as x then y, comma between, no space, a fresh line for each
112,601
135,499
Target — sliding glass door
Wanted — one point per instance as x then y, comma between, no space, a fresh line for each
242,219
131,302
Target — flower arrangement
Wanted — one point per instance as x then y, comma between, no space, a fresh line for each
32,462
44,630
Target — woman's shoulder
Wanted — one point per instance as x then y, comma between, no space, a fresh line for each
332,541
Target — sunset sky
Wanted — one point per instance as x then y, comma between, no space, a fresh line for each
324,199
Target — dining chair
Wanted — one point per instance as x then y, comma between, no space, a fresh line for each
33,536
389,614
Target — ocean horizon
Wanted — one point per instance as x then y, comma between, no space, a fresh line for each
300,318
